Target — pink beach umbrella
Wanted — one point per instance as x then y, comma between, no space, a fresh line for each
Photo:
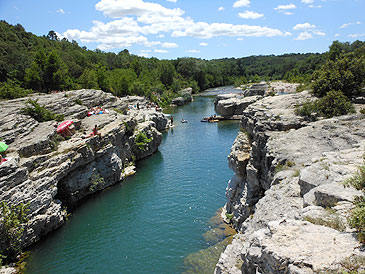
61,127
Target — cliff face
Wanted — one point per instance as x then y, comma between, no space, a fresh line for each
288,172
50,174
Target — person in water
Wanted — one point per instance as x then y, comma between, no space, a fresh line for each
172,120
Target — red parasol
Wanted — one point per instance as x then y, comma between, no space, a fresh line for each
64,125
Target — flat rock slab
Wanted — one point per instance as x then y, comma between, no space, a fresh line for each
287,244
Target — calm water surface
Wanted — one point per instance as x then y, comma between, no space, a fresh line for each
153,220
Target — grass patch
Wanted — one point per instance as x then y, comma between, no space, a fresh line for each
362,111
141,140
350,265
97,182
296,173
40,113
357,218
78,101
287,165
229,216
55,141
332,222
117,110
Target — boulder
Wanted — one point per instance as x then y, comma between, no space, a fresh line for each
186,94
179,101
234,106
256,89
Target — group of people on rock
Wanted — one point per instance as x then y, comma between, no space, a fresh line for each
97,110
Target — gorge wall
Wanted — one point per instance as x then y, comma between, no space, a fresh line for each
286,198
52,175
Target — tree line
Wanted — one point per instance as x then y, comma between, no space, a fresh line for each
29,63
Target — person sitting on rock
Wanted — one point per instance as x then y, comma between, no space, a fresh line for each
2,159
94,132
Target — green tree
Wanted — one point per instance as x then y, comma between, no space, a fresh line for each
167,72
12,221
88,79
34,75
342,71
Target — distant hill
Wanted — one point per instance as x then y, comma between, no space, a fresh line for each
31,63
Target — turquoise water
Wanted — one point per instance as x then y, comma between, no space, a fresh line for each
153,220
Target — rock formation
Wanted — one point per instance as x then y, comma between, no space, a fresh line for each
185,96
50,174
286,198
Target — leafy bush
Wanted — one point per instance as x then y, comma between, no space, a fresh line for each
357,218
333,104
11,90
40,113
342,71
362,111
78,101
141,140
12,220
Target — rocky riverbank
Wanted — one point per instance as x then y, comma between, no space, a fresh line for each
286,198
51,174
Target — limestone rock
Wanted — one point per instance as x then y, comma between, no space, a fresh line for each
50,174
179,101
186,94
234,106
294,170
257,89
289,246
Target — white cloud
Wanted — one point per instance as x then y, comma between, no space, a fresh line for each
337,35
160,51
221,9
203,44
205,30
136,19
303,26
121,8
240,39
283,8
345,25
169,45
241,3
60,11
357,35
250,15
319,33
193,51
304,36
174,1
307,1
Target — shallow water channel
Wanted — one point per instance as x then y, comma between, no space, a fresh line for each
154,220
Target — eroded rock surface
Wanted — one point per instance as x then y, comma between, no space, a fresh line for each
287,191
50,174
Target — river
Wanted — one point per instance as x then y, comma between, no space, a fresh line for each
153,220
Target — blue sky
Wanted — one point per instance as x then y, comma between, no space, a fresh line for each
168,29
